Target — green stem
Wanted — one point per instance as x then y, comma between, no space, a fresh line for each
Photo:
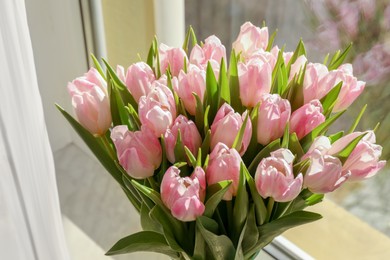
152,184
229,207
108,146
270,206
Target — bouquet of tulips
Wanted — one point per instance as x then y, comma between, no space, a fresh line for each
220,159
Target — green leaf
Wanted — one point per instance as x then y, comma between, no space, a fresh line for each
211,91
199,114
223,83
215,193
308,139
339,59
147,223
330,99
206,120
179,151
271,40
119,114
240,209
300,50
272,229
265,152
200,246
286,136
206,145
237,144
357,120
151,54
314,199
260,209
234,84
190,35
113,75
295,147
221,247
333,138
251,233
190,156
148,241
98,67
344,154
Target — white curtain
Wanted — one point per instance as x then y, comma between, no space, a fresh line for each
30,218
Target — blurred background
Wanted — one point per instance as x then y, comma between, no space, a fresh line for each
122,31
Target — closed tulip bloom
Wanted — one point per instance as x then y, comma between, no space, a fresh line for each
172,57
224,165
314,84
250,39
184,195
138,79
255,79
364,161
90,102
139,153
189,135
325,173
306,118
194,81
264,57
274,113
351,88
157,110
275,178
226,126
212,49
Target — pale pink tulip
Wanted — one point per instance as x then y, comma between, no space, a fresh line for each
364,161
306,118
157,110
315,86
138,79
189,135
286,55
172,57
250,39
226,126
275,178
297,67
264,57
325,173
90,102
212,50
274,113
351,88
184,195
138,152
255,79
194,81
224,164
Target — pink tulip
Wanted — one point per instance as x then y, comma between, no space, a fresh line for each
306,118
90,102
224,164
250,39
138,79
351,88
275,178
157,110
189,135
325,173
194,81
274,113
138,152
172,57
212,49
364,161
315,86
255,79
226,126
297,67
264,57
349,18
184,196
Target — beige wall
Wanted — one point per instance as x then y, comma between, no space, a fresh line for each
129,29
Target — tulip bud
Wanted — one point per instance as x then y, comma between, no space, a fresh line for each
306,118
364,161
250,39
189,135
172,57
314,85
274,113
184,196
139,153
255,79
275,178
212,50
194,81
90,102
324,174
224,164
226,126
157,110
138,79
